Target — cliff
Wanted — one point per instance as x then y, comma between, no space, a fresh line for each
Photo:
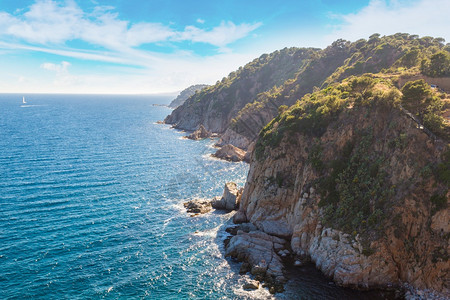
185,94
357,185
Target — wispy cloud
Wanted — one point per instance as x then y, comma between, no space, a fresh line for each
62,76
422,17
222,35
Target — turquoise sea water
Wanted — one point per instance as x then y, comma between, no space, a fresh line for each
91,206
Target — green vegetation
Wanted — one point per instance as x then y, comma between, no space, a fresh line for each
443,169
438,65
391,56
438,202
419,99
315,157
314,112
355,193
222,101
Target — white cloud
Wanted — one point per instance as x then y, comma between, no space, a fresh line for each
62,76
222,35
62,68
201,21
422,17
50,22
46,22
147,33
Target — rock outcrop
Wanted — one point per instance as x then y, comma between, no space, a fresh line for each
230,199
259,253
200,133
251,285
231,153
233,138
198,206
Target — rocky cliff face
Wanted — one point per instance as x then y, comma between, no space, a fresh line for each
357,186
185,94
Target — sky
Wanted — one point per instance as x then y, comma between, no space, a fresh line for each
164,46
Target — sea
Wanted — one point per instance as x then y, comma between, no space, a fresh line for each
91,206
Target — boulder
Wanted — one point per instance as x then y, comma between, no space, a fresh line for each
197,206
231,153
230,198
257,249
200,133
251,285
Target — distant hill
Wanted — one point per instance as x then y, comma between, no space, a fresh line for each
217,105
186,93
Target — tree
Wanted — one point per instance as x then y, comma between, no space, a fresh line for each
418,98
439,64
440,40
410,59
417,95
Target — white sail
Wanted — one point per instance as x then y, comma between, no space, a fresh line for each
23,100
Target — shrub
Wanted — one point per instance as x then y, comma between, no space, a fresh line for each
438,202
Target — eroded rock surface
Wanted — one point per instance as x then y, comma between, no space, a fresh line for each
230,199
231,153
200,133
404,241
258,251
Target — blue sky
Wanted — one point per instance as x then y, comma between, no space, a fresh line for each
163,46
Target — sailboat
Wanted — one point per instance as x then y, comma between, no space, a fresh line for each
23,100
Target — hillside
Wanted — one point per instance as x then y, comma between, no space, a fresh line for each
399,57
185,94
239,106
214,107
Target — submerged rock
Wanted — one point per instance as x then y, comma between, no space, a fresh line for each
231,153
198,206
200,133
